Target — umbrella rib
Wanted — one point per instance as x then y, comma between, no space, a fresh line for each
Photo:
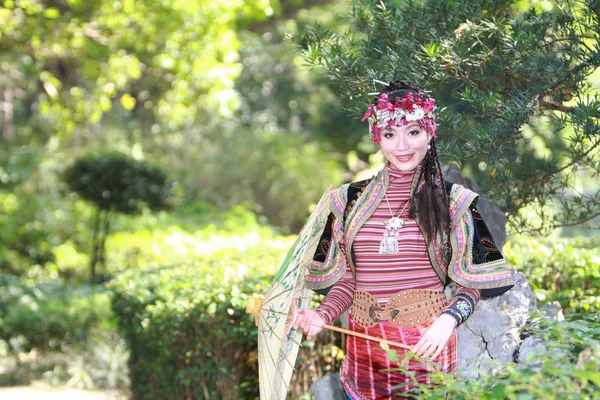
285,358
268,299
277,369
264,360
278,312
291,270
271,383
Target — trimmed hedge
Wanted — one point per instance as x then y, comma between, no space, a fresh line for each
564,270
190,337
187,328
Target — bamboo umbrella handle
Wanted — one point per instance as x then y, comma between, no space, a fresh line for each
362,335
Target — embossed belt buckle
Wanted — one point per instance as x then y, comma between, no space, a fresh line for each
372,311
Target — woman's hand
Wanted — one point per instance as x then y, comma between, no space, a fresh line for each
435,337
309,321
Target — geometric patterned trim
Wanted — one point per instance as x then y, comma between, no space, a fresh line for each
462,270
324,274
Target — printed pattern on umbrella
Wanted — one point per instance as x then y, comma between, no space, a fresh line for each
278,343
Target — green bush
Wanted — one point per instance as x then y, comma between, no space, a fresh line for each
183,236
46,315
563,270
567,369
187,328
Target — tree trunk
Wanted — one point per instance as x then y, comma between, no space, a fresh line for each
94,256
102,247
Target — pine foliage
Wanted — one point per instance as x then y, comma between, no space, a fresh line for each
517,109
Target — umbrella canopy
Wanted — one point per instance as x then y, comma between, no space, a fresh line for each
278,342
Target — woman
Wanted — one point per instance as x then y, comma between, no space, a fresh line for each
392,244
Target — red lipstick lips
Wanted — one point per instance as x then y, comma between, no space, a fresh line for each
404,158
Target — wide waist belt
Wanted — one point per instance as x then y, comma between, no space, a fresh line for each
405,308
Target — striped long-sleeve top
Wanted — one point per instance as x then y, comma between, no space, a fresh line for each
383,275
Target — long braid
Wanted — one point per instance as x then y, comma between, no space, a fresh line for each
432,203
446,202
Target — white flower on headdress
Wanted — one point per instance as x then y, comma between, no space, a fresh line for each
417,114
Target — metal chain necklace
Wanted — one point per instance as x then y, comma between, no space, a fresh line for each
389,244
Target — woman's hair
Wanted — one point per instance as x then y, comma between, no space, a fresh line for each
431,202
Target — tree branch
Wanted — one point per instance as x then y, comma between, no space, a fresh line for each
566,224
533,181
560,107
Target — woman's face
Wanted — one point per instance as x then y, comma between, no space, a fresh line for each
405,146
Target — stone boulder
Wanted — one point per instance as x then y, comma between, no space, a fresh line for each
491,334
329,388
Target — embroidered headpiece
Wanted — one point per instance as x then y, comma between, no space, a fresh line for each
384,114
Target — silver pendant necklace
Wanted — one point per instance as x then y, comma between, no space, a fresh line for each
389,244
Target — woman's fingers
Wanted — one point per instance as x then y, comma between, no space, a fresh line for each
437,353
431,349
309,321
423,347
298,318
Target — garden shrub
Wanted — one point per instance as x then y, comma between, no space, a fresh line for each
563,270
187,328
569,368
47,314
154,240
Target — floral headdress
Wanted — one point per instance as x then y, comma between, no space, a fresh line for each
384,114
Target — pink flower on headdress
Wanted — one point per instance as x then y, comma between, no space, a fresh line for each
428,105
406,103
429,125
383,104
376,133
368,114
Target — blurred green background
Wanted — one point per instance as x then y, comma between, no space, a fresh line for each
157,158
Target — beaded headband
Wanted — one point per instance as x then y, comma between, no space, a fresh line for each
407,109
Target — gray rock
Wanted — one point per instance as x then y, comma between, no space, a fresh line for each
551,310
491,335
329,388
531,347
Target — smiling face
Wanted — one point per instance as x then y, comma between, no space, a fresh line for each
405,146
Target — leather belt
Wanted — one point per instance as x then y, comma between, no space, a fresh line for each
405,308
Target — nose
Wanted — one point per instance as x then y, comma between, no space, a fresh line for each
402,143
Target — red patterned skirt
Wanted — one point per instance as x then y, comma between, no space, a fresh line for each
365,370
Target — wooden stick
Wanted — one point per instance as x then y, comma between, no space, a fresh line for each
362,335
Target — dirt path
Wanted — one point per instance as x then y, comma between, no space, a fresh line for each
31,393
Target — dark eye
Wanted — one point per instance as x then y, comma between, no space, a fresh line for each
388,135
414,132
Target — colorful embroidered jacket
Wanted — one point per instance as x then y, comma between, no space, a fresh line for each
475,261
